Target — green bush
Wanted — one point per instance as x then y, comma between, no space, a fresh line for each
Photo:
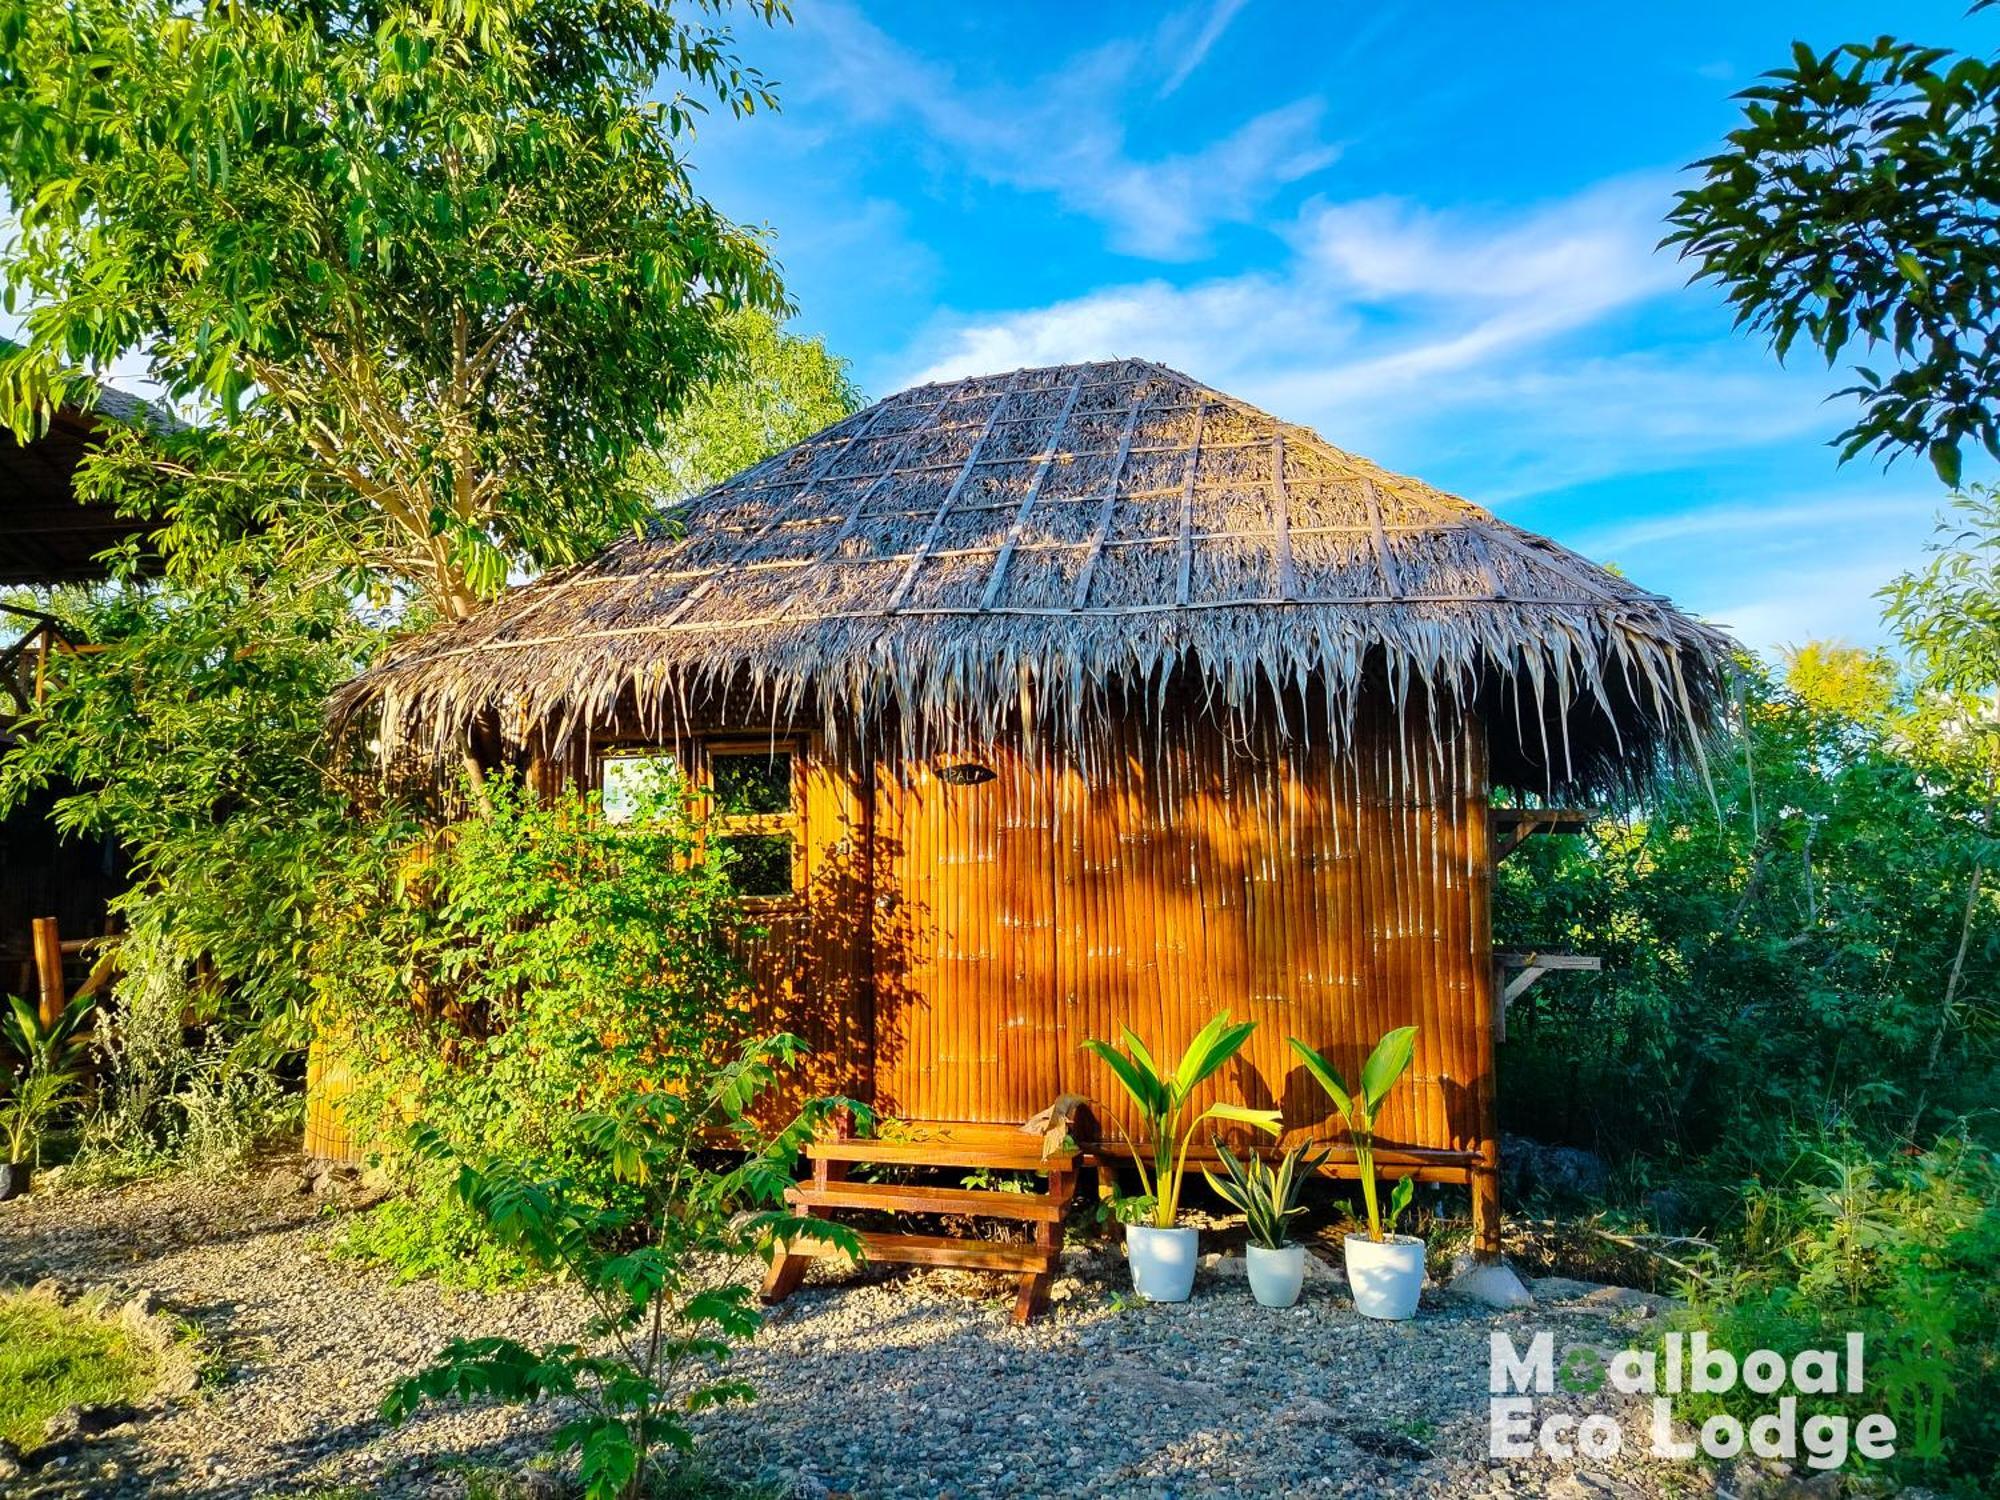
505,976
1777,941
1906,1252
660,1271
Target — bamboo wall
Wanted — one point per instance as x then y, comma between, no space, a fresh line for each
952,947
1158,879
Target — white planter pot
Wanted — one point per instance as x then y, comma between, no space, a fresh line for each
1385,1278
1275,1275
1162,1262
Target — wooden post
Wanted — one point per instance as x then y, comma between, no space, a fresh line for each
1486,1205
48,965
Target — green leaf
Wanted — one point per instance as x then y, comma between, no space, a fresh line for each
1948,461
1399,1199
1270,1121
1386,1064
1146,1090
1328,1076
1213,1046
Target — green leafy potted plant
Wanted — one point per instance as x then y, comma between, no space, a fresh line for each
1161,1252
50,1054
1268,1198
1384,1269
54,1048
26,1112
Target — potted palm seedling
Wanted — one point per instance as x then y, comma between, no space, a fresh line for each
50,1053
1161,1251
26,1112
1268,1197
1384,1269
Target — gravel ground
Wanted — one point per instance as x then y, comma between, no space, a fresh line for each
891,1384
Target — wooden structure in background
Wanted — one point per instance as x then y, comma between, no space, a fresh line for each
49,537
1040,705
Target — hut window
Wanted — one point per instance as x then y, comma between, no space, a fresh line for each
753,802
628,777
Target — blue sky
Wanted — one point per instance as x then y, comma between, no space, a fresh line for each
1426,230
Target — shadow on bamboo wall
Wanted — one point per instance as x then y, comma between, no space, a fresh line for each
1153,880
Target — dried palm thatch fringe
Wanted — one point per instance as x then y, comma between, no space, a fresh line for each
1053,543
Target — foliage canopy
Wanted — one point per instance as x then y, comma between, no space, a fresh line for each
434,271
1856,203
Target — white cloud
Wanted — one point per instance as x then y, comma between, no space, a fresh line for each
1188,52
1389,326
1458,289
1062,133
1789,520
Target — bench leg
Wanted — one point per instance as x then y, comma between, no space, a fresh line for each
1034,1293
786,1272
1033,1296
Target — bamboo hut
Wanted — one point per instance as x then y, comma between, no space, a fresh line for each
1041,704
51,885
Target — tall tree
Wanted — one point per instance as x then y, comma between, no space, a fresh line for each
776,389
1859,203
433,271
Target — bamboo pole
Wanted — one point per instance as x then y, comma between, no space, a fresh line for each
48,967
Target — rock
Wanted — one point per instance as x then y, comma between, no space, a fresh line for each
1492,1283
88,1419
1670,1210
1529,1168
10,1460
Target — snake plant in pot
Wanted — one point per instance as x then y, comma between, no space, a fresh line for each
1269,1200
1384,1269
1162,1253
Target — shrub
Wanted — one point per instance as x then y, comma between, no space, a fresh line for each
661,1271
506,976
1904,1251
1777,944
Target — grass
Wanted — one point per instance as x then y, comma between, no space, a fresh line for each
53,1358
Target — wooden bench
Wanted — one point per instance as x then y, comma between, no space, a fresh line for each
991,1147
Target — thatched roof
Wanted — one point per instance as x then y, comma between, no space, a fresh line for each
47,535
1056,536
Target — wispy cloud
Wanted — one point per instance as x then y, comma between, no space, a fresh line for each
1064,133
1188,51
1785,521
1374,293
1388,324
1779,569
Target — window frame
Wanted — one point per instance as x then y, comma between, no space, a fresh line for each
790,824
634,749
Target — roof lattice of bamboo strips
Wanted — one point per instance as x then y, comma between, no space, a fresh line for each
1067,528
